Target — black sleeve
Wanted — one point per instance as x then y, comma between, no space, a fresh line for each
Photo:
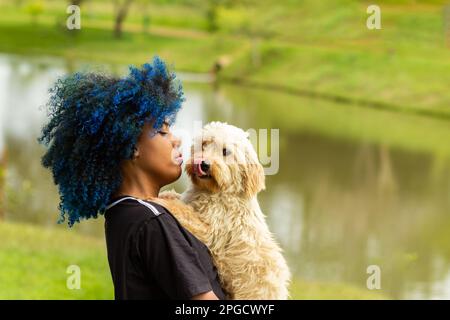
170,259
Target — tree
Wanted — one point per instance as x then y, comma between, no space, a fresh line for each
34,8
211,15
122,8
75,2
212,10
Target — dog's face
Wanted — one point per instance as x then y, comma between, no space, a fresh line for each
223,160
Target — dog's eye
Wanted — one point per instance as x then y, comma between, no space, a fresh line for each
226,152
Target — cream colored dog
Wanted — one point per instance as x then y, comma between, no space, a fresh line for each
221,209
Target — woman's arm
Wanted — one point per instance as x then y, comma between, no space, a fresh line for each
210,295
171,261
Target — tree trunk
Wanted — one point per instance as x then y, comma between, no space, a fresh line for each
120,17
75,2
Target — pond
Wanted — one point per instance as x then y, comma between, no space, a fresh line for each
355,186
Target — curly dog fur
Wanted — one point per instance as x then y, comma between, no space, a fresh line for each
222,210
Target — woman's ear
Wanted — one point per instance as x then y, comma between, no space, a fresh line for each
136,153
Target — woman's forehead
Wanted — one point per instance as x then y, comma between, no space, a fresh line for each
149,125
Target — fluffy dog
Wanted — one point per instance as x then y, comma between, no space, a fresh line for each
221,209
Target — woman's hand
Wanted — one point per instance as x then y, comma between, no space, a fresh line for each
210,295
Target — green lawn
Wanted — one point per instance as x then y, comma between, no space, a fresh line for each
317,48
34,261
324,48
98,45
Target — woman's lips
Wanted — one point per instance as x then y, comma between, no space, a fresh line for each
179,159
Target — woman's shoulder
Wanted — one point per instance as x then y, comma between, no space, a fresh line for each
141,219
130,202
127,208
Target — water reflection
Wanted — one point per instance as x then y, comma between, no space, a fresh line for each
360,205
342,200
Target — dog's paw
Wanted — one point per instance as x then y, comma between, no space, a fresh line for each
169,195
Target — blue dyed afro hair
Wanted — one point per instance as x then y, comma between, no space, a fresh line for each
95,121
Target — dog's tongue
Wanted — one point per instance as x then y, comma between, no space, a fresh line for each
199,170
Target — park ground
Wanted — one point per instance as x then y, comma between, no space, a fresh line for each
317,48
35,261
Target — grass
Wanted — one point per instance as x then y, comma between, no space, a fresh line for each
98,45
35,260
407,83
331,52
341,121
320,47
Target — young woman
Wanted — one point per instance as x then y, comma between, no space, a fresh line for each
109,148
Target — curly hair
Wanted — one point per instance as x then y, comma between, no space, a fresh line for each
95,121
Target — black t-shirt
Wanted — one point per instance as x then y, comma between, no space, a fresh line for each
151,256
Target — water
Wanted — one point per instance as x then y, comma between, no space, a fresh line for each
355,187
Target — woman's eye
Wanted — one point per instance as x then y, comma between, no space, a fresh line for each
226,152
163,133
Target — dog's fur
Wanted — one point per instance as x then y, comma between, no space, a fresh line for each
223,212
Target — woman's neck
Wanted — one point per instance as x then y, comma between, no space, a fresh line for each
141,187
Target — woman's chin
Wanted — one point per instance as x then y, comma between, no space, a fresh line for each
178,173
172,175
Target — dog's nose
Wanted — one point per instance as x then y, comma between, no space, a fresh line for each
204,166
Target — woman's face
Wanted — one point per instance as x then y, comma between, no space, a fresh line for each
157,154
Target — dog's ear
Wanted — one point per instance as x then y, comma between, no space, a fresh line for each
254,179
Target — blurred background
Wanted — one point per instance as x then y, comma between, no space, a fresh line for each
364,120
